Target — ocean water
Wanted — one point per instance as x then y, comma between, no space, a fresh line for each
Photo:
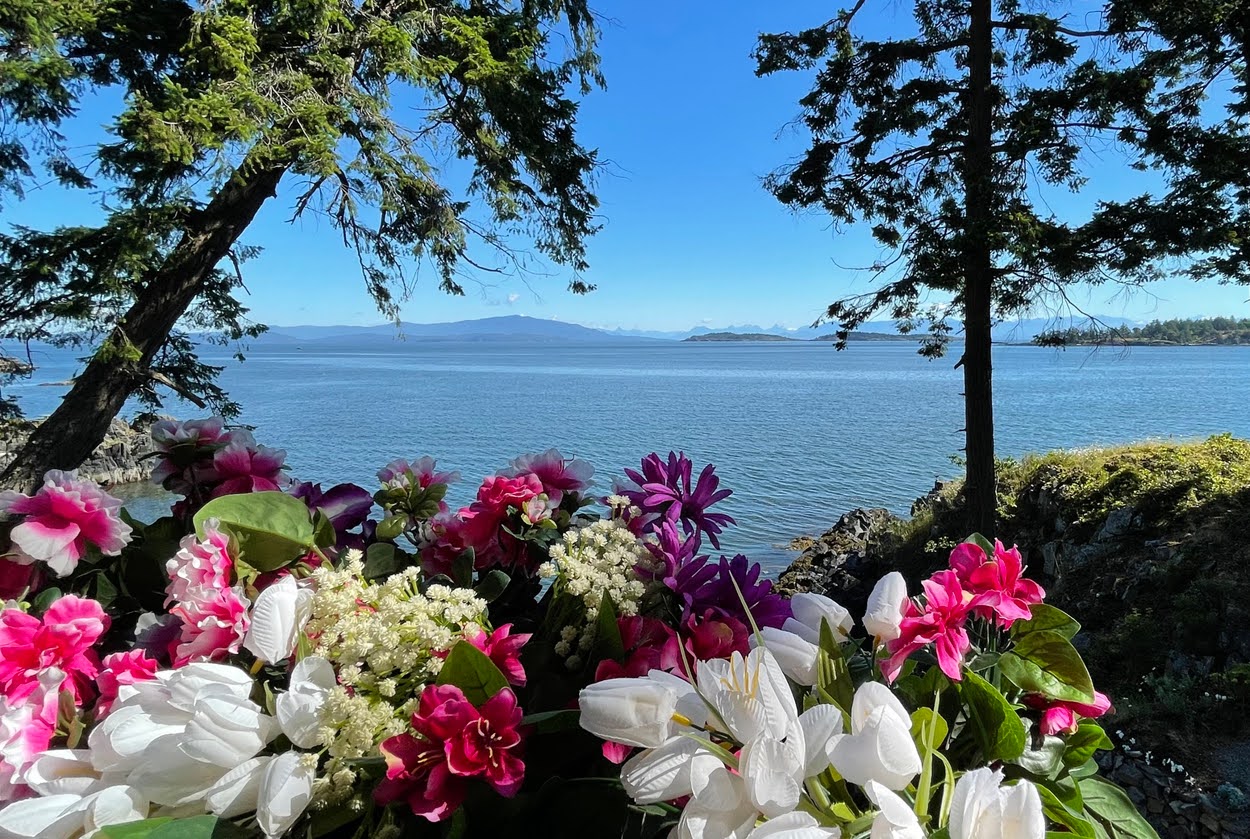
800,432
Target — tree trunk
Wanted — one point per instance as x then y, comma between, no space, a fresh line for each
979,489
67,437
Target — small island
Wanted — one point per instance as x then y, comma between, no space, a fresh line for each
1201,332
738,336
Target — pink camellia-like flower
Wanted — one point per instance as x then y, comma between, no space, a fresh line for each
214,624
504,649
1060,717
63,639
61,519
457,741
998,590
27,727
556,474
187,452
402,474
715,636
243,466
940,624
200,563
447,540
128,668
483,517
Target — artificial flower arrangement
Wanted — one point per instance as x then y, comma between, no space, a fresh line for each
278,659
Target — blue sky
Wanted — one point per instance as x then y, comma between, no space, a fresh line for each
690,235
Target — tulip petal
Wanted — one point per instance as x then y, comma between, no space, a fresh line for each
50,817
660,774
285,790
238,791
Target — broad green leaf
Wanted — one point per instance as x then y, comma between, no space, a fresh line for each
608,643
1108,806
382,559
469,669
981,542
492,585
134,830
44,600
1057,812
1045,760
1047,619
323,531
922,722
272,529
391,527
993,722
462,568
1082,743
197,827
1045,662
553,722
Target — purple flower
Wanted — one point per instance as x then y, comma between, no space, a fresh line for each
345,505
719,593
673,554
665,489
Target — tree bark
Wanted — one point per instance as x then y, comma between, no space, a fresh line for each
979,488
74,430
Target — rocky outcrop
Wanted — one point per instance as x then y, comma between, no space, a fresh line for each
121,459
841,559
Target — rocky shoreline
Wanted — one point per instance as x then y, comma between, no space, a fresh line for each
846,560
123,457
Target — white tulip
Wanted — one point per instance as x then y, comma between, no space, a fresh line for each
810,610
238,791
277,619
983,809
885,607
797,657
225,731
186,684
662,773
46,817
879,747
632,711
822,728
170,778
113,805
773,772
119,743
896,819
796,825
285,790
64,771
718,806
299,709
750,694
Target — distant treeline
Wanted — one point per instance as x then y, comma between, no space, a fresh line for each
1203,331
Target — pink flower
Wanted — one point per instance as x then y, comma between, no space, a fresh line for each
119,669
27,727
214,623
402,474
504,649
458,741
447,541
940,624
650,644
61,640
187,452
200,563
482,518
243,466
996,584
62,518
715,636
556,474
1060,717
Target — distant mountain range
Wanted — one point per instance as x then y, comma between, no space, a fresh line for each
521,328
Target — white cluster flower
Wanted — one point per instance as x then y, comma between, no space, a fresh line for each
589,561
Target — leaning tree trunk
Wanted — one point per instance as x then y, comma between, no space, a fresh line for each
979,489
69,436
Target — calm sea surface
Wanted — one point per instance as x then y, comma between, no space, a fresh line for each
800,432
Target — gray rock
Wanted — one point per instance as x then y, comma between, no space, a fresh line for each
120,458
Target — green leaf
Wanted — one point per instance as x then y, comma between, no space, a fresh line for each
1044,760
1047,619
993,722
134,830
1108,806
382,559
832,675
391,527
553,722
462,568
323,530
469,669
197,827
1045,662
1058,812
608,643
272,529
1082,743
922,720
982,543
44,600
492,585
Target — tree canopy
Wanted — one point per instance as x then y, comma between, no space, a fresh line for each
433,132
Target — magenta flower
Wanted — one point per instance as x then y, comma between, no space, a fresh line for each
672,553
214,624
720,593
1060,717
940,625
27,727
997,588
504,649
187,450
496,497
243,466
665,489
556,474
712,635
458,741
62,519
200,564
650,644
128,668
446,539
62,639
403,475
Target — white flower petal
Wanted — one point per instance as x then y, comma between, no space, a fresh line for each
50,817
822,727
662,773
797,657
63,772
277,618
796,825
299,709
114,805
238,791
285,790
